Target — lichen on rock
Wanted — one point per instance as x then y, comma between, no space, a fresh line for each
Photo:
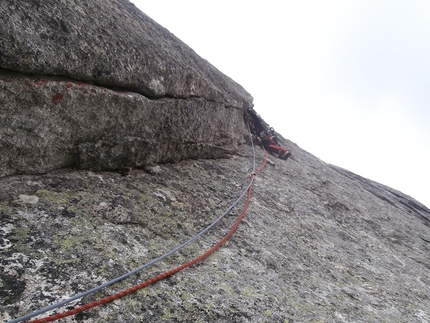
118,143
321,256
100,85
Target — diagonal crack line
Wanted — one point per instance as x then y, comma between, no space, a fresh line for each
112,87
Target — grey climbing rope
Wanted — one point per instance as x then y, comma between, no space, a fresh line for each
115,280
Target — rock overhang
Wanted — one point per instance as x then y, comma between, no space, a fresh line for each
113,44
65,68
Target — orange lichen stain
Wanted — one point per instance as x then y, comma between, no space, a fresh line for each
5,80
39,83
57,98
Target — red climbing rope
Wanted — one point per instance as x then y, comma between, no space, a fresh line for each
157,278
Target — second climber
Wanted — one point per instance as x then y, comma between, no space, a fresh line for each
266,136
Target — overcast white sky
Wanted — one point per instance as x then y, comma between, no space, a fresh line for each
348,81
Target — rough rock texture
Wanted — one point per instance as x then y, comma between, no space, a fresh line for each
88,86
318,244
100,85
110,43
52,123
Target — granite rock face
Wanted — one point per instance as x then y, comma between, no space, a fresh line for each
318,243
88,87
49,123
110,43
99,85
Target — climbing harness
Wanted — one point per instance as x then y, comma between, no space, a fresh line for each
269,134
154,279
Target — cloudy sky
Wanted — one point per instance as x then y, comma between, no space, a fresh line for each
348,81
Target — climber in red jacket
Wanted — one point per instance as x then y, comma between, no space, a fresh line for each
267,137
270,143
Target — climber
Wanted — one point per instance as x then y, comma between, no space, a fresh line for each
266,136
